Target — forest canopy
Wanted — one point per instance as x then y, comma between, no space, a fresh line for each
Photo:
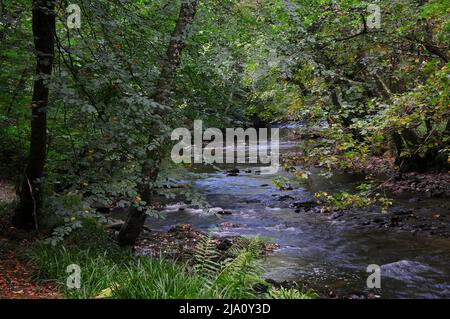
87,111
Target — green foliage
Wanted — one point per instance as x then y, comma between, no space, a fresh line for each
110,272
101,117
367,195
244,61
282,183
326,65
374,92
207,259
236,276
291,293
6,208
157,279
65,213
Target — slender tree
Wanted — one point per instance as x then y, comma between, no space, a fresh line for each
30,191
150,170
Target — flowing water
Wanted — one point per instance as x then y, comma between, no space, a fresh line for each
333,253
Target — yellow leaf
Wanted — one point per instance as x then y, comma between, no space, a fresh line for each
105,293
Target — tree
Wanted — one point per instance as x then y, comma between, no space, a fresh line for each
31,187
150,169
379,88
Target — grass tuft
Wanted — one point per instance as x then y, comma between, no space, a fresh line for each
108,271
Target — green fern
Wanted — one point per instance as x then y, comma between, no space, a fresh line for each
292,293
233,277
206,260
239,275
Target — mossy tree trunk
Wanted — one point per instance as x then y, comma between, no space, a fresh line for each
31,187
150,170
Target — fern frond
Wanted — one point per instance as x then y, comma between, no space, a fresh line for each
234,277
206,257
240,274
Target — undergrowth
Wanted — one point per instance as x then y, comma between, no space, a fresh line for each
108,271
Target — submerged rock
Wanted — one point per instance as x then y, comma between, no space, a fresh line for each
215,210
408,271
285,197
233,172
403,212
307,204
230,225
219,211
378,220
336,215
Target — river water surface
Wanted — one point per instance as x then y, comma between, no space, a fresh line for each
332,253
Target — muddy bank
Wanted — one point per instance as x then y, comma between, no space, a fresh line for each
180,243
416,184
430,219
323,250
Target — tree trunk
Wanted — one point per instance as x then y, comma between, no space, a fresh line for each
432,160
31,188
150,170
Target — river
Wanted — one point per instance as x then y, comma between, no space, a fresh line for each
318,248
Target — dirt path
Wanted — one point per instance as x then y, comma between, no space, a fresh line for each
16,280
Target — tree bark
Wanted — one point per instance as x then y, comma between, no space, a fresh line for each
30,192
150,170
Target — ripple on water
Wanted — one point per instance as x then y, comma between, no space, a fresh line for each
332,252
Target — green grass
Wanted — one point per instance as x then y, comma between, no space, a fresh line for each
112,272
108,271
120,275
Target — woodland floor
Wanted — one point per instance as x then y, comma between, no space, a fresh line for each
16,276
16,280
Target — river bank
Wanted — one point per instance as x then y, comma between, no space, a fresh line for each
311,247
329,250
309,238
